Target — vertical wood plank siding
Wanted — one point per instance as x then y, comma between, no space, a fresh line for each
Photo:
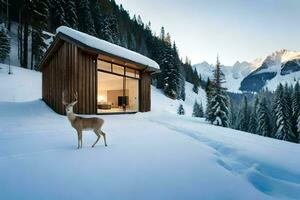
70,69
145,92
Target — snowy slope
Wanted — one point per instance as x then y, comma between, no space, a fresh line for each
22,85
156,155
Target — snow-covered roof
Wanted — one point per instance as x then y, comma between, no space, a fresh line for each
108,47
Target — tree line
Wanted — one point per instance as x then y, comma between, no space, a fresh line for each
103,19
270,114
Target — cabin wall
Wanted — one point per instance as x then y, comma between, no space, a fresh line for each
145,92
52,80
71,70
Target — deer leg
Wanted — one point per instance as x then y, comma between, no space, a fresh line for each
78,139
98,137
104,137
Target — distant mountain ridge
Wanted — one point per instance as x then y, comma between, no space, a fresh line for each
274,70
281,66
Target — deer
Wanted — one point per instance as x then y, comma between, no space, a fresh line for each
81,124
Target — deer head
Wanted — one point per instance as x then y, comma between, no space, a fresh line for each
69,106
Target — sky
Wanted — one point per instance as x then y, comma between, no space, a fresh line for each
237,30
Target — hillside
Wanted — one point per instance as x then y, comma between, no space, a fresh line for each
156,155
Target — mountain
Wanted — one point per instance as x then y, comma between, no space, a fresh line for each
234,75
280,67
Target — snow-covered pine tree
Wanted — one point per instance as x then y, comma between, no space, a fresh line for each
244,116
98,17
295,108
263,127
232,116
57,14
180,110
209,91
70,13
170,72
182,92
85,20
4,44
39,25
218,111
179,70
198,110
283,125
196,81
107,29
253,121
298,128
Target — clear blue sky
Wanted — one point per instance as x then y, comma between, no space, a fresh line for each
236,29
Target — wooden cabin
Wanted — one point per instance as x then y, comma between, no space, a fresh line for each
108,78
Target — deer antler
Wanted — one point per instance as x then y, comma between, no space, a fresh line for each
63,98
76,96
75,99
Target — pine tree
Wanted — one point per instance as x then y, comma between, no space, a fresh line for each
85,20
39,25
283,125
217,112
98,17
57,13
170,73
295,108
298,127
162,34
182,92
70,13
196,81
232,117
180,110
263,127
4,44
244,116
198,110
253,122
209,92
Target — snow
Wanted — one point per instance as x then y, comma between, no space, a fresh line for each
291,78
105,46
22,85
156,155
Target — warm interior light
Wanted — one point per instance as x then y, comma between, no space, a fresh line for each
101,98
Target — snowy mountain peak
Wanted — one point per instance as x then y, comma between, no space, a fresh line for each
283,56
280,62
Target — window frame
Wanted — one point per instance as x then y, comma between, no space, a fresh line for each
118,74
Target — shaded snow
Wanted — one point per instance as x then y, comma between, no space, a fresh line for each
22,85
107,47
156,155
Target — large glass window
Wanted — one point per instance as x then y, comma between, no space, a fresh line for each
104,65
117,93
132,91
118,69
